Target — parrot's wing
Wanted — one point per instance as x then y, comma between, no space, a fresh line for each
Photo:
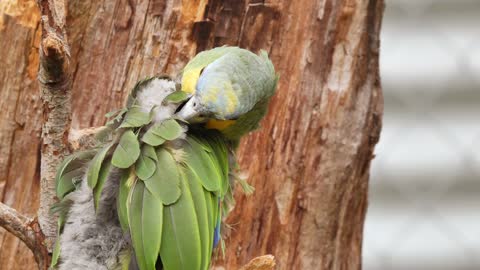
171,185
173,214
118,150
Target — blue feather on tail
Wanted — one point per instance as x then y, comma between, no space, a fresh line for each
216,233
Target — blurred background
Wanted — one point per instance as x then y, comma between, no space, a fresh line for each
424,208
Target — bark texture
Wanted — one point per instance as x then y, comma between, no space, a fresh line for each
28,230
309,162
20,122
54,77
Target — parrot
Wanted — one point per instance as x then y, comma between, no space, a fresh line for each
154,191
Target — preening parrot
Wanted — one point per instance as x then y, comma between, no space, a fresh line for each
153,193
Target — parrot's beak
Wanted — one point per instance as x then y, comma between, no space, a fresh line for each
188,111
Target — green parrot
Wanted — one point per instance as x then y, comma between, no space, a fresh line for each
231,88
153,193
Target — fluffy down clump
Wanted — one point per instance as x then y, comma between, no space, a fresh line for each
153,95
92,240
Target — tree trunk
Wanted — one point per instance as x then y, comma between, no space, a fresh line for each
310,160
20,122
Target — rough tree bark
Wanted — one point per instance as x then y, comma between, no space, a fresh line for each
54,76
312,156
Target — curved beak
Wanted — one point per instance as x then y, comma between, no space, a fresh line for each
188,111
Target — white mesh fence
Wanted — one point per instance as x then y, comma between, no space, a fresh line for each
424,210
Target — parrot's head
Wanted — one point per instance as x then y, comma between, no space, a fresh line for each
210,99
230,92
211,106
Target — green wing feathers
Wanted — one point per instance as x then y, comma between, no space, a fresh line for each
182,198
171,184
167,199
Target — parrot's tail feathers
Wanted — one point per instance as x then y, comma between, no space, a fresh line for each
242,180
223,248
